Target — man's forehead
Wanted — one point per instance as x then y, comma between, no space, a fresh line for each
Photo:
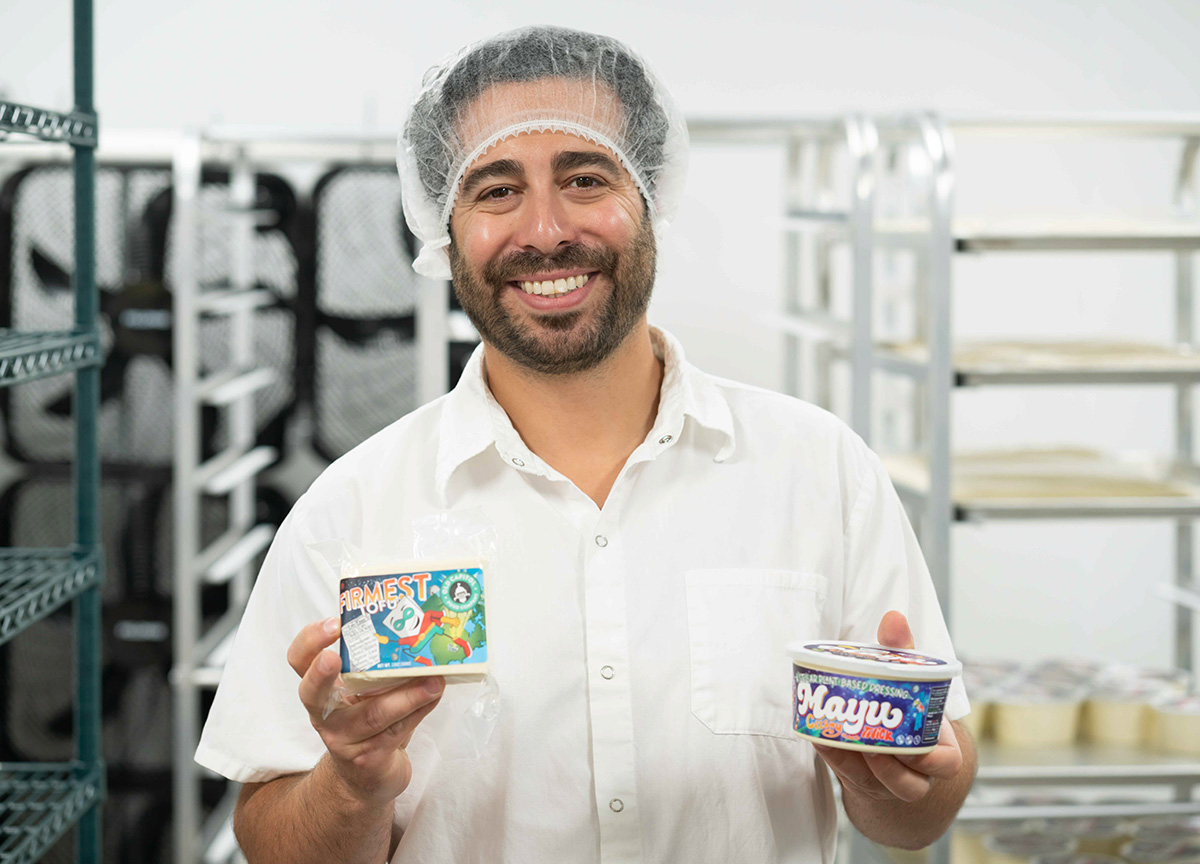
586,101
556,149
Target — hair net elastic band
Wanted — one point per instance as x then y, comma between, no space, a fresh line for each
542,126
433,260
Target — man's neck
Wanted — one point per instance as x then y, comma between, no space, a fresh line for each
584,425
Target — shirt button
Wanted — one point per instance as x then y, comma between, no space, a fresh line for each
601,540
666,439
616,805
606,672
520,463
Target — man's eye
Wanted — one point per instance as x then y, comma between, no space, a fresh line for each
585,182
498,193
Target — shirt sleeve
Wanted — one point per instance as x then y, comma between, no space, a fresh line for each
885,570
258,729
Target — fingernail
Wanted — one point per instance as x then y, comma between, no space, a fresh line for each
330,625
433,686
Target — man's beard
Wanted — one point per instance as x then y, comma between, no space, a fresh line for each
563,343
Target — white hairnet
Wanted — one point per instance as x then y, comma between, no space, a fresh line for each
535,79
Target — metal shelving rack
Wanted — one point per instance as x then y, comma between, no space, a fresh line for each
926,479
199,650
200,654
39,802
928,482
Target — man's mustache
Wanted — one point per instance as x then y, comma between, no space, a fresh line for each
508,268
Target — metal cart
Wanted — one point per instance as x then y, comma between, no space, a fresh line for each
928,476
201,647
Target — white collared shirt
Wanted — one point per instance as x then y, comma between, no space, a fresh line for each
645,704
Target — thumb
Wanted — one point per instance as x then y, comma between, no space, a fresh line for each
894,632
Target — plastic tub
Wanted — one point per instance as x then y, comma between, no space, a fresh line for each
1037,717
1116,720
1119,711
1167,827
1094,836
1176,725
859,696
1021,847
1161,851
967,839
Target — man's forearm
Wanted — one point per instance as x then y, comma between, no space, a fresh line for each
915,825
310,817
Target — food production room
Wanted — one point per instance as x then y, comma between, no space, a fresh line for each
635,432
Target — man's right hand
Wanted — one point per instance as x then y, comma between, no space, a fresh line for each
366,737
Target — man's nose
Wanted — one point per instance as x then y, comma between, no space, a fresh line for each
545,223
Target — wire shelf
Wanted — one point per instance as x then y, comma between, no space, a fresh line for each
78,127
39,802
1084,764
1049,483
35,582
1053,234
1029,362
27,356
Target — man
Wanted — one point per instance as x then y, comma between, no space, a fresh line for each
662,536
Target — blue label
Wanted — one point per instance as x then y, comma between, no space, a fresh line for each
869,711
413,620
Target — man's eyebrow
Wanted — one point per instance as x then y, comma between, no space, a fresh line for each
500,168
569,160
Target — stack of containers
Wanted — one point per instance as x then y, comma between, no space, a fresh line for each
1164,840
1021,847
1059,703
1094,836
1149,840
968,840
1042,708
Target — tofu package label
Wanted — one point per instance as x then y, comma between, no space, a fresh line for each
415,622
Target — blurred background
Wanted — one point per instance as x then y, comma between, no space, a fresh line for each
1092,107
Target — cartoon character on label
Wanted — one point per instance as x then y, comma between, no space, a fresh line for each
415,630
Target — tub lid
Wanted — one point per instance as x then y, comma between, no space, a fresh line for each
865,658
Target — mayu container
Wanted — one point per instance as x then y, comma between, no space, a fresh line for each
859,696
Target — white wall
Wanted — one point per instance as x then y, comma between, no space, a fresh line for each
1022,590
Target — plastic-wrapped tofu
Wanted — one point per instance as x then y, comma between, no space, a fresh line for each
411,620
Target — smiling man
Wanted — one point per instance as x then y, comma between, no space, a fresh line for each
663,534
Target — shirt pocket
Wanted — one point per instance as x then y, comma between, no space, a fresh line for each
739,624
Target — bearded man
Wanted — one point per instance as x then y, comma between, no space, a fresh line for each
663,534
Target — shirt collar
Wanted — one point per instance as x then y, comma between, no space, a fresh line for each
473,421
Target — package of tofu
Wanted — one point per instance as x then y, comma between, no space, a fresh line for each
414,619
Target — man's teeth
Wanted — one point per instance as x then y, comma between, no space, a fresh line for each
555,286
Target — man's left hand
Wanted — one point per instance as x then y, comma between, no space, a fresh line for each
881,776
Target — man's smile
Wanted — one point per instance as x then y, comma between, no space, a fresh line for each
554,283
555,294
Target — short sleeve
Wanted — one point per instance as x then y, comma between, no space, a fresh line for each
885,570
258,729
